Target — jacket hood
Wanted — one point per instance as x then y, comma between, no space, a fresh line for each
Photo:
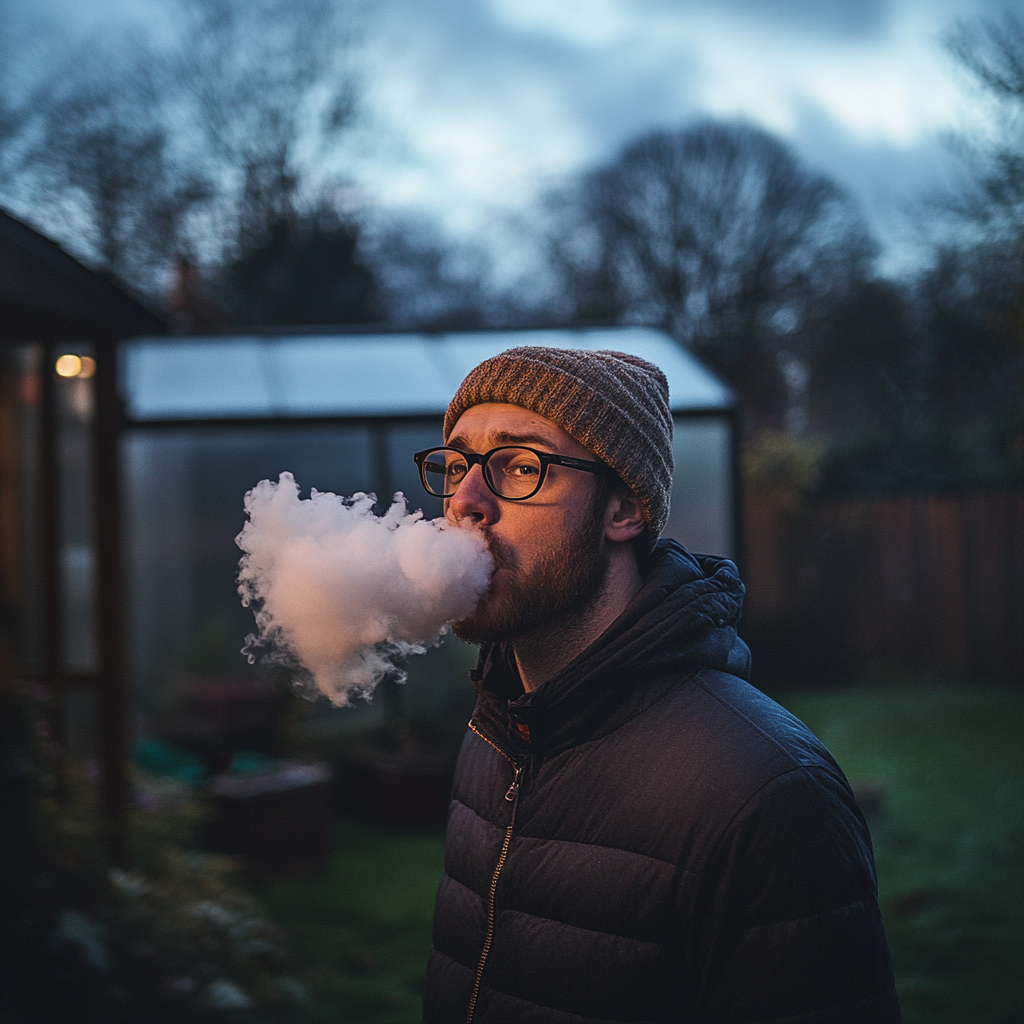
682,620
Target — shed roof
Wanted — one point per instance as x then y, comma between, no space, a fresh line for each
363,375
45,292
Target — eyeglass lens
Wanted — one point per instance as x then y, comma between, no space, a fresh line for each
510,472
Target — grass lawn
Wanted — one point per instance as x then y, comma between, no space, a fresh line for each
362,929
949,845
948,836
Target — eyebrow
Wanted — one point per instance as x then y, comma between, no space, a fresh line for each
503,437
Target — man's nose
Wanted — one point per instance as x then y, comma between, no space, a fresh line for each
472,500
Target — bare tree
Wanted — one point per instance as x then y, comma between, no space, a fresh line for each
716,232
12,107
307,269
259,82
428,278
992,52
986,248
28,50
970,356
105,171
200,142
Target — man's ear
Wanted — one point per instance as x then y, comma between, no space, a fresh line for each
624,517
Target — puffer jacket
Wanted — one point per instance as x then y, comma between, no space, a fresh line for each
646,837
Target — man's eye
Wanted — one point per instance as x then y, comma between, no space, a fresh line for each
522,469
457,470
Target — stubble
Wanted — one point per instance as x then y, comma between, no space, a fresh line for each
561,585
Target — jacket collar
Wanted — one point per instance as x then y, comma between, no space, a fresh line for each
683,619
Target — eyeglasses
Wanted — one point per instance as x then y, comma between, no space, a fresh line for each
511,472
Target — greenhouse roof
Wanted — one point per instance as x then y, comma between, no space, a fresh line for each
363,375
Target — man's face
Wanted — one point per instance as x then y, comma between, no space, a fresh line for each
550,548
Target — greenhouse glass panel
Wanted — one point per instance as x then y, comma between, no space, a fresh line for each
702,516
184,491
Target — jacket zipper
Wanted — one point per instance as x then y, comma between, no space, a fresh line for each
511,796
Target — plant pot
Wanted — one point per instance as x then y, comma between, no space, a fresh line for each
406,789
279,821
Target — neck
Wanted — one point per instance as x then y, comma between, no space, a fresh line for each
546,650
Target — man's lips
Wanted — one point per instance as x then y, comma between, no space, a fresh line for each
503,557
504,564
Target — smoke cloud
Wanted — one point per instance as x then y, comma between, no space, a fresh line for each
344,594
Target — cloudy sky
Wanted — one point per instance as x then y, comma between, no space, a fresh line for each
487,100
473,106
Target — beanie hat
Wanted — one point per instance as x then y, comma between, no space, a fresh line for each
614,404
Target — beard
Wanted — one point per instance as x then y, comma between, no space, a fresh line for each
562,583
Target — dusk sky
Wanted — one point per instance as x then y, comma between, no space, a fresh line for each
474,106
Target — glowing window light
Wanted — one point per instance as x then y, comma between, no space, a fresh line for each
88,367
69,365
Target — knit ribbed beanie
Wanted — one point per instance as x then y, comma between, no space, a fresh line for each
614,404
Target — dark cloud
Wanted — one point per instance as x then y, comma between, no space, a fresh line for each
838,18
891,183
464,54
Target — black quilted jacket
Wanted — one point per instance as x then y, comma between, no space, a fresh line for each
647,837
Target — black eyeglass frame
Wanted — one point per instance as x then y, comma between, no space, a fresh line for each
475,459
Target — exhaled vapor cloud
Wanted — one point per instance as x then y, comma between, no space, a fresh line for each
343,593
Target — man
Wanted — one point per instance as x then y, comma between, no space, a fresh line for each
636,833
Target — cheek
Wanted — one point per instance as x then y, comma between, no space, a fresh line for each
539,529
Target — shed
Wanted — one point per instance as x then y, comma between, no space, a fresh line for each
60,568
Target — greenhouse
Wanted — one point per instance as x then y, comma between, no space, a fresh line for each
209,417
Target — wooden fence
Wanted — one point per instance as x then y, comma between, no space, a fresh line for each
922,581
